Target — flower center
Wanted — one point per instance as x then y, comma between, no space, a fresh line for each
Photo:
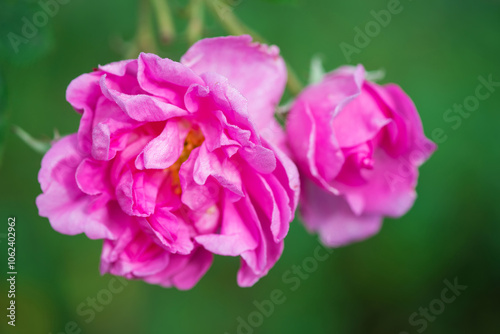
193,140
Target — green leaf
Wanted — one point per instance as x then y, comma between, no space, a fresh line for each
376,75
316,72
39,146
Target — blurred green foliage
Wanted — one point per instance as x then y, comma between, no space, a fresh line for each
434,49
3,114
15,47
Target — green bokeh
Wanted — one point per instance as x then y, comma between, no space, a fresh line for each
435,50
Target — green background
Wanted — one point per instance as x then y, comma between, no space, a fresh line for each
435,50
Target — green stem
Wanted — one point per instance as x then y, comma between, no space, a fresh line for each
195,25
229,21
144,39
234,26
165,21
293,83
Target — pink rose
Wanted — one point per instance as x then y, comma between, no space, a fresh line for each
358,147
169,165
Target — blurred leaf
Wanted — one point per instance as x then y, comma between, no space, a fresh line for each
317,72
3,115
376,75
282,110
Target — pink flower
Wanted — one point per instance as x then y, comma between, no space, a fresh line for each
358,147
169,165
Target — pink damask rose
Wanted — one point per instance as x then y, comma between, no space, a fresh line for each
169,165
358,147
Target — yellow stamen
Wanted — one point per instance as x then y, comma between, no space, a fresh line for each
193,140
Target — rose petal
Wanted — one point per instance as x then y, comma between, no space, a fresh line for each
256,70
